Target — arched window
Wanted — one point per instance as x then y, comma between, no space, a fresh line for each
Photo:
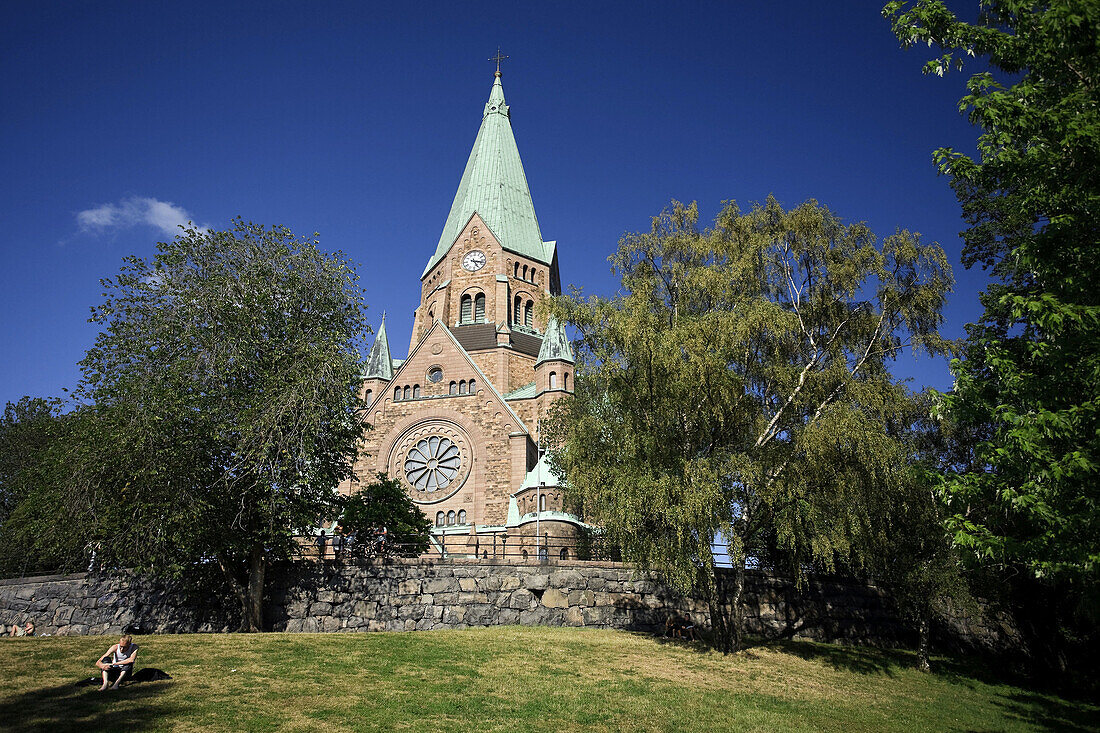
408,392
518,318
439,519
525,272
462,516
466,313
396,394
544,554
565,380
454,387
553,380
479,308
451,517
416,391
564,555
368,396
462,387
529,314
542,502
525,554
517,270
473,386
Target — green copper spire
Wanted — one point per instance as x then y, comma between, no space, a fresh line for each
494,186
379,363
555,344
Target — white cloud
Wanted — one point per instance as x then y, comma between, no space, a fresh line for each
134,211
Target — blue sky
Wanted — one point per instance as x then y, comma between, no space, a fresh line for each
354,120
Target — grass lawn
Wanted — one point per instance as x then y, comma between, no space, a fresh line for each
507,679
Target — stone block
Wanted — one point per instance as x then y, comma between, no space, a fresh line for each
440,585
596,616
567,579
467,584
537,581
534,617
521,599
554,598
467,598
510,583
330,623
491,583
320,609
409,587
574,616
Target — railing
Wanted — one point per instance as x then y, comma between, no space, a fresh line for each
491,546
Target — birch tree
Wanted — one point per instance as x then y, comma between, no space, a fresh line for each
737,387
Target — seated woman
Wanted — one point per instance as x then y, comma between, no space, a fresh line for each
119,658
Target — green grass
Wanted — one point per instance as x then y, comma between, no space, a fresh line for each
508,679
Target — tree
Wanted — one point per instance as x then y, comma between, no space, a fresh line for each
384,505
223,387
737,388
26,430
34,498
1028,382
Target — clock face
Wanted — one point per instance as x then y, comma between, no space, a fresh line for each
474,261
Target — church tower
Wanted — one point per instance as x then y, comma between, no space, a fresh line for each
457,421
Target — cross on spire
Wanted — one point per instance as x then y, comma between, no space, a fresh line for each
498,58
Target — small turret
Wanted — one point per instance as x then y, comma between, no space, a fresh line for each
554,367
379,366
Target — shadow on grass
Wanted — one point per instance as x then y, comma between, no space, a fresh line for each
857,659
68,707
1049,713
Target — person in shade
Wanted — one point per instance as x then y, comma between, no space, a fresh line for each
118,659
25,630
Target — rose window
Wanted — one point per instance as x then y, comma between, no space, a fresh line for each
432,463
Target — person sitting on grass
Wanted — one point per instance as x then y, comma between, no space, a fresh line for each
119,658
25,630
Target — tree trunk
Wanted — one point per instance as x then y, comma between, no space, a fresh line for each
924,637
725,617
734,603
252,602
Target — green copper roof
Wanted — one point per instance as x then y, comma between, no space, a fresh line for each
379,362
555,344
494,186
527,390
541,473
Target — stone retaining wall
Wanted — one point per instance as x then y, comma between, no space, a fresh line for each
400,595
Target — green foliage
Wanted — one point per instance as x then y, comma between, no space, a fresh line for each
738,387
384,504
43,526
222,403
27,428
1028,383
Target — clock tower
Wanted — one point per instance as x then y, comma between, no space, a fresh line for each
458,419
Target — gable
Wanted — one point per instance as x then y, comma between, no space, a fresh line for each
439,349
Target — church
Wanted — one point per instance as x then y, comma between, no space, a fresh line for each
457,420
